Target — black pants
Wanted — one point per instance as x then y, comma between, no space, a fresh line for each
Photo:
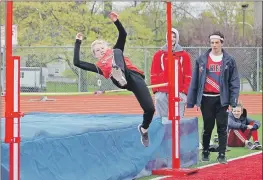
137,85
213,111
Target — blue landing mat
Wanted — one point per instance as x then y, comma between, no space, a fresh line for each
96,147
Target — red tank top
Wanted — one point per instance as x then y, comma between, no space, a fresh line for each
105,64
212,83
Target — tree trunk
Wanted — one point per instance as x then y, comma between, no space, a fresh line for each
107,8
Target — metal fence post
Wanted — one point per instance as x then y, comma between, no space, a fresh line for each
258,69
4,58
79,79
145,65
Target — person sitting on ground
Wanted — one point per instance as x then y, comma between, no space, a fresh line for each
241,128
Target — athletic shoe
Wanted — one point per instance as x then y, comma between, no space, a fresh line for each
144,136
222,158
257,145
250,145
118,75
205,156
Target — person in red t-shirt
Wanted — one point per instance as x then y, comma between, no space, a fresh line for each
159,75
112,64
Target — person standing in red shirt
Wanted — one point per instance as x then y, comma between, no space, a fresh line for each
159,75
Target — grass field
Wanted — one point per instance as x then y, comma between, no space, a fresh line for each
233,153
61,87
68,88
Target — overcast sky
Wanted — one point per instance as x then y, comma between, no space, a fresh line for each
198,6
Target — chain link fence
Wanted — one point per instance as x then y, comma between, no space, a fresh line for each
51,69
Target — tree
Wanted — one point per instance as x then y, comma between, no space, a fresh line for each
56,24
107,8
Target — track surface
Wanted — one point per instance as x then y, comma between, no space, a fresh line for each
249,168
97,104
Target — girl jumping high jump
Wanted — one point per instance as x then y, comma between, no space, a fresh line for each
113,65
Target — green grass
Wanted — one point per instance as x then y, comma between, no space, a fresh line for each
65,87
233,153
61,87
250,92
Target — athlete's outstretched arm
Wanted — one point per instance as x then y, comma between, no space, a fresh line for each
82,64
122,33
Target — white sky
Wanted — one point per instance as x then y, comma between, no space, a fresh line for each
198,6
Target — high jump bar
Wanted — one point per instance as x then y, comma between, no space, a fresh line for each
87,93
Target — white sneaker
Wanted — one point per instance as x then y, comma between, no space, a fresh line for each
118,75
250,145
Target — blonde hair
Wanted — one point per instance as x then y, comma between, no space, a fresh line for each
240,104
98,41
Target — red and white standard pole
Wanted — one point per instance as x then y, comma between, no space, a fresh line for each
173,105
12,100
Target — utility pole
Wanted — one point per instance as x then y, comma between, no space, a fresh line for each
244,7
258,22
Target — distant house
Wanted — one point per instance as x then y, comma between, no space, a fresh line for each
55,69
32,79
